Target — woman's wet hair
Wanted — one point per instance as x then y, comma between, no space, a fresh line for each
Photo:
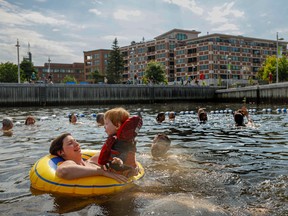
160,117
100,118
57,144
203,117
239,118
7,123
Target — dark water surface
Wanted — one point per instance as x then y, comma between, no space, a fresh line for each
211,169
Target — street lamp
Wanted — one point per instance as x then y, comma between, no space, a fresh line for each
277,53
49,60
18,45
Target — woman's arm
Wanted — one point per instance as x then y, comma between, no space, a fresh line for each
70,170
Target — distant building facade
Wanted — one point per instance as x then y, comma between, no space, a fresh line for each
59,70
95,60
210,57
184,55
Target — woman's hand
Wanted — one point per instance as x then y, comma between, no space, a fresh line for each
117,177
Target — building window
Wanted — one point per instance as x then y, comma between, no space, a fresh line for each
180,52
181,36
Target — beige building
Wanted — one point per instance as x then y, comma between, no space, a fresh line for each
187,56
184,54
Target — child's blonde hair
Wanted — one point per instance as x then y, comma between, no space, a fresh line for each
117,115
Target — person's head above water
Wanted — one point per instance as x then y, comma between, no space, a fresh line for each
239,118
202,115
100,119
72,118
160,146
160,117
30,120
7,123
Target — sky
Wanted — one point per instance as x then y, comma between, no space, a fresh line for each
63,29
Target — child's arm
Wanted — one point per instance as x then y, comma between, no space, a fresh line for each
105,153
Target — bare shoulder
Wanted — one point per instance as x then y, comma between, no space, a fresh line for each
67,163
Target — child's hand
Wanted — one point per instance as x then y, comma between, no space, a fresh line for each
117,161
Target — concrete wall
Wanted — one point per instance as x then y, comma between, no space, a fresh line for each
273,93
60,94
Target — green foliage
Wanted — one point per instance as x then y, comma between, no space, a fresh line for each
250,81
69,78
96,77
155,72
8,72
269,66
115,67
27,69
219,81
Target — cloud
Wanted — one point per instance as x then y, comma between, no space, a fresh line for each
13,15
95,11
228,27
96,2
126,15
224,13
40,46
188,4
111,38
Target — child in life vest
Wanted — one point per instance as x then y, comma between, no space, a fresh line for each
118,154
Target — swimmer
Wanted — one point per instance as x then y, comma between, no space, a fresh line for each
7,125
100,119
30,120
171,116
73,119
202,115
161,145
239,117
160,117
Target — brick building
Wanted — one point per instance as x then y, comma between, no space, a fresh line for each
95,60
59,70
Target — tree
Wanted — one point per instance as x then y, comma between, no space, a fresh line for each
269,66
155,72
69,78
97,77
8,72
115,67
27,68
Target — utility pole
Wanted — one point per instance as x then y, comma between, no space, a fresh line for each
18,45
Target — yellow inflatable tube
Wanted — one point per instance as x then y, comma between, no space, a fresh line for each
43,177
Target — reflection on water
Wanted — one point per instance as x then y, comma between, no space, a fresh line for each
211,169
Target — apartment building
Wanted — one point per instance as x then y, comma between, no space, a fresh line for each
184,54
95,60
59,70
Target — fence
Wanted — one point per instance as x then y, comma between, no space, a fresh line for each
61,94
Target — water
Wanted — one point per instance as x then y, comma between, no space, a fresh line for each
211,169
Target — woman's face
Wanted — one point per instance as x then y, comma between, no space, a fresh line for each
30,121
73,118
71,148
110,128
